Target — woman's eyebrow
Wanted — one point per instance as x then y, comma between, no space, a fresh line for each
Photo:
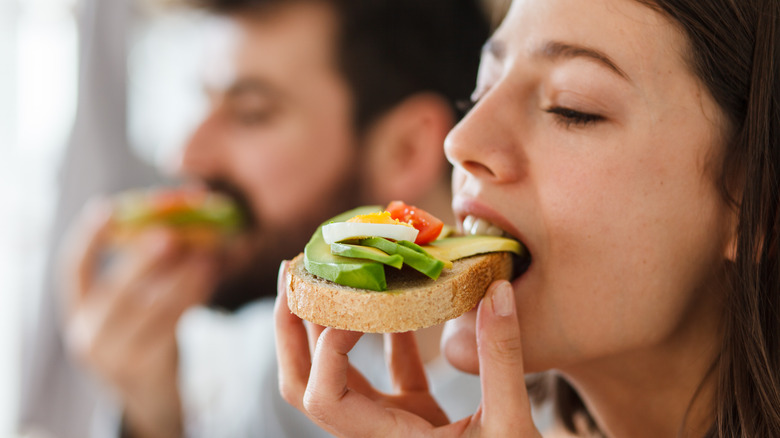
555,50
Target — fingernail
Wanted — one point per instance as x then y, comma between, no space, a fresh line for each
280,279
503,300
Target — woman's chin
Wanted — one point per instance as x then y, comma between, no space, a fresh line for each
459,343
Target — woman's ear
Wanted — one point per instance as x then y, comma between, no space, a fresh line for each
730,249
403,155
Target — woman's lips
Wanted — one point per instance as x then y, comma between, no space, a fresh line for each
477,226
472,224
475,217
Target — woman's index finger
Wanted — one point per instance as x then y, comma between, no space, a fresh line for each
331,401
505,404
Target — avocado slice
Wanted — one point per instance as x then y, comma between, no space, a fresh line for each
368,253
420,261
347,271
412,245
454,248
420,249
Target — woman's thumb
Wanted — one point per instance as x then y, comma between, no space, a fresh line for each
505,404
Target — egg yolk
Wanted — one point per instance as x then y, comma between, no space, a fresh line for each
377,218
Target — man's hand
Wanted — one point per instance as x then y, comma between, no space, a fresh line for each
121,320
325,387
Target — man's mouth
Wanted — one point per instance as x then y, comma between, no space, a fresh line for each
477,226
240,198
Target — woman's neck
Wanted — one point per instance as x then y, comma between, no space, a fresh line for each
664,391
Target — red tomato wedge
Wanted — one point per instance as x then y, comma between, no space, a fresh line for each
174,200
427,224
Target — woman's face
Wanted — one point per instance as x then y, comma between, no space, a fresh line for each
594,144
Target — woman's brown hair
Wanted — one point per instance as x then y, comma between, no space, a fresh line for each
734,49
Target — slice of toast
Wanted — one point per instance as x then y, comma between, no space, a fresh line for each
411,301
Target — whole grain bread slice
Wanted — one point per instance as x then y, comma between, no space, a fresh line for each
412,301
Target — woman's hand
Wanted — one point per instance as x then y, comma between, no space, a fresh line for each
339,399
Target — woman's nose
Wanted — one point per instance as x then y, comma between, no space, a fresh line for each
485,145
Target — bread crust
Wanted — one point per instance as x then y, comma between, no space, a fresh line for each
408,304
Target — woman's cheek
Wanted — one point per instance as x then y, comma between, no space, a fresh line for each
459,343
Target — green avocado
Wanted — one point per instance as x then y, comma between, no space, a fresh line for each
412,245
420,261
454,248
368,253
347,271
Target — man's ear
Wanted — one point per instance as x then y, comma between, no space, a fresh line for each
403,156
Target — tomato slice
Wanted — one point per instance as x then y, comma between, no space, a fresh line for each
427,224
171,201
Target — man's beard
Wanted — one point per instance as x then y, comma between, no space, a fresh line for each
270,246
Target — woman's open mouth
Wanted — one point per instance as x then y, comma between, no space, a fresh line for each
477,226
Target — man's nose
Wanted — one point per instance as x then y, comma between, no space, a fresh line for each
200,157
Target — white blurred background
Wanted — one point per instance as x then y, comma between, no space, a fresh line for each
37,104
39,63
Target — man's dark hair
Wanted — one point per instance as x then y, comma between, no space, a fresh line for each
391,49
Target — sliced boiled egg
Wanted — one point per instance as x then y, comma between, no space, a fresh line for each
369,225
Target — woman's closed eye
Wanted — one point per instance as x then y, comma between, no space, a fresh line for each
569,117
566,116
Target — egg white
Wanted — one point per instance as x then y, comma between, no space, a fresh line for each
340,231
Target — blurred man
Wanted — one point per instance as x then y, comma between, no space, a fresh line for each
326,104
